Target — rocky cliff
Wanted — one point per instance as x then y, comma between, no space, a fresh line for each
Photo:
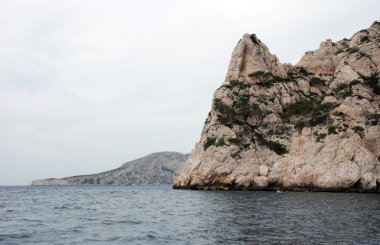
313,126
156,168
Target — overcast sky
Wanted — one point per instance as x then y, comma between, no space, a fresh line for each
88,85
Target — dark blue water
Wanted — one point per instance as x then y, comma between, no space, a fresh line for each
160,215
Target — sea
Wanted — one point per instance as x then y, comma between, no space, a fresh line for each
161,215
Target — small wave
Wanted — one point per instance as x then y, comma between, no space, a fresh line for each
61,207
15,236
132,222
149,236
215,218
111,222
76,231
113,238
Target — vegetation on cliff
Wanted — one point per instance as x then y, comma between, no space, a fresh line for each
313,126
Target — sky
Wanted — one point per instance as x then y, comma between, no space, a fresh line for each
88,85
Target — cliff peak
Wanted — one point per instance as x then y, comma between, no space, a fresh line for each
251,56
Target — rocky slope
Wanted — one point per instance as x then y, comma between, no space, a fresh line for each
156,168
313,126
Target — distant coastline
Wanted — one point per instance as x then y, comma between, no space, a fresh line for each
154,169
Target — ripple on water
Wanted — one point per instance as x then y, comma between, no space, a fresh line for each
15,236
160,215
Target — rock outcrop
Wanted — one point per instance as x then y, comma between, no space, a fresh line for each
314,126
249,56
156,168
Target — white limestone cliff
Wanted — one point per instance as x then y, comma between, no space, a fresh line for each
314,126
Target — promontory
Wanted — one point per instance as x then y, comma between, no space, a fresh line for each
153,169
312,126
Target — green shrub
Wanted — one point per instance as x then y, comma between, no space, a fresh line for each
240,110
342,86
269,75
316,81
332,130
325,107
373,116
220,143
373,119
292,75
321,136
255,110
256,74
362,54
235,155
261,74
339,114
338,51
235,82
304,72
373,82
342,129
224,109
278,148
235,141
375,23
344,90
346,94
300,125
359,130
314,109
254,38
303,107
316,120
352,50
209,142
354,82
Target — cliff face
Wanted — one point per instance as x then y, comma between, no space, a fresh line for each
156,168
314,126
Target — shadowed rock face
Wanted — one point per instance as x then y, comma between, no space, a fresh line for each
156,168
315,128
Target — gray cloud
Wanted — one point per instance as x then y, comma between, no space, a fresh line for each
88,85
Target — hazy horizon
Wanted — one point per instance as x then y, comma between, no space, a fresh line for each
88,85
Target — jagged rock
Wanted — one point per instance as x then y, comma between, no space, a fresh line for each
356,110
251,55
156,168
314,126
344,73
346,59
330,99
321,61
263,170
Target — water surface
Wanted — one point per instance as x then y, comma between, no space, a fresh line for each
160,215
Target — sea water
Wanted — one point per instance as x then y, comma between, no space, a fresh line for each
161,215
